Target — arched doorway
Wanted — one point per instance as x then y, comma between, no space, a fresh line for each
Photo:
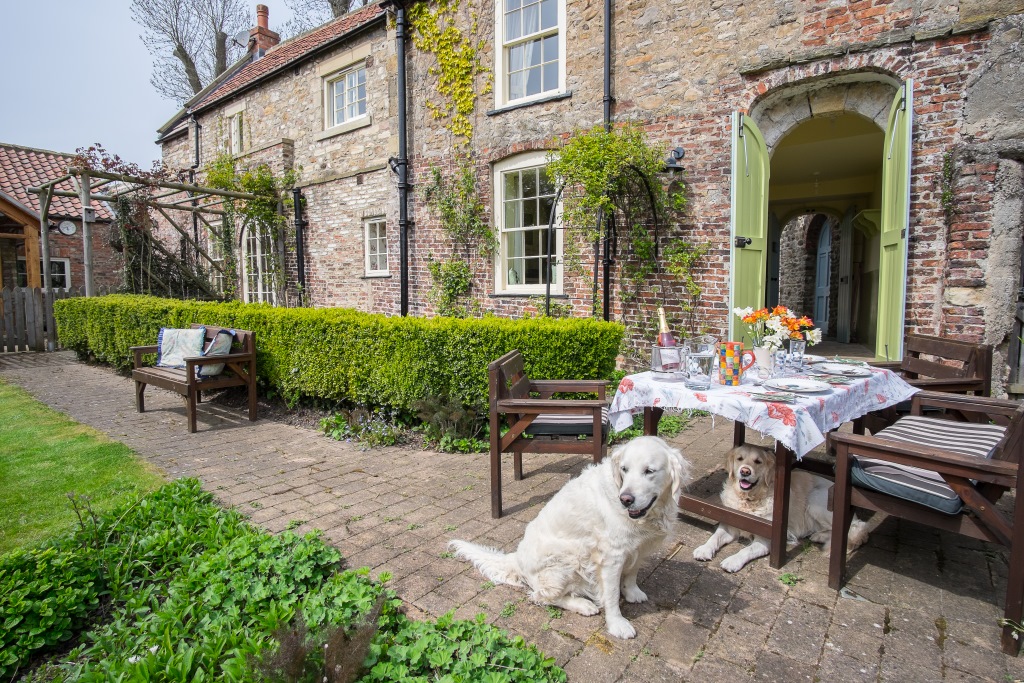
834,158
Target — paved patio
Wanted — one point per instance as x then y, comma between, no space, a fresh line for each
924,604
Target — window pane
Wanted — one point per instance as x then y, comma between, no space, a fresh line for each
548,14
530,183
361,76
512,219
545,210
546,186
515,86
512,30
529,212
512,185
531,242
550,76
531,19
533,53
533,83
515,58
361,92
551,48
532,276
511,5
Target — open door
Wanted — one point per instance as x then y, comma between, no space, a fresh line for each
749,224
892,271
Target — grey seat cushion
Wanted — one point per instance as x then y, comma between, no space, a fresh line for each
555,424
918,485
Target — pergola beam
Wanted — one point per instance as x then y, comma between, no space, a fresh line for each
165,184
114,198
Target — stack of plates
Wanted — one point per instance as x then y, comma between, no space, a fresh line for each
843,370
797,385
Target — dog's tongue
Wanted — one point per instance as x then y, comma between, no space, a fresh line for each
745,485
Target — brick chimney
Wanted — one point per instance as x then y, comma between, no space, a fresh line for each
264,37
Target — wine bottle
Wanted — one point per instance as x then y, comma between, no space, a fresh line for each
669,355
665,337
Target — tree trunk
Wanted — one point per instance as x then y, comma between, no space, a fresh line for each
339,7
190,67
220,53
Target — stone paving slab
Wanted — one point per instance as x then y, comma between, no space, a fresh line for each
927,612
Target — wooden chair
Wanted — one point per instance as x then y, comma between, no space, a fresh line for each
968,463
240,372
968,369
541,424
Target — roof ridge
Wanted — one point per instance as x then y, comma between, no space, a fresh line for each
37,149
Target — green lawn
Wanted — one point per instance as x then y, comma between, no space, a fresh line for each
44,455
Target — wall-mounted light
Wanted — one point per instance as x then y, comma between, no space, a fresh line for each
674,157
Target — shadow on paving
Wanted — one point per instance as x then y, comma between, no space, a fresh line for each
922,605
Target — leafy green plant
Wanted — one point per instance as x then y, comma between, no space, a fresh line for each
452,281
344,356
669,426
370,428
449,426
789,579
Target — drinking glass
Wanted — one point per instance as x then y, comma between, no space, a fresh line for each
796,353
779,363
700,362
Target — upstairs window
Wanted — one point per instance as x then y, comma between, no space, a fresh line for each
532,57
345,95
236,133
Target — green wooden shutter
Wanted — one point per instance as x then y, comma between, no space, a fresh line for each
892,271
750,172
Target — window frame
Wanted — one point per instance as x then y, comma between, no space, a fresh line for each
380,221
265,291
522,162
236,132
502,58
21,270
329,81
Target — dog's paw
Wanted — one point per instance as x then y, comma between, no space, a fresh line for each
634,594
733,564
621,628
581,606
703,553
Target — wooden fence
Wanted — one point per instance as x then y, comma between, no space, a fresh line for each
26,318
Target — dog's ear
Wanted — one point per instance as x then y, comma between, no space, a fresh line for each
679,466
616,464
769,468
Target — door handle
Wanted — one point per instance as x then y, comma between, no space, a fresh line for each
742,242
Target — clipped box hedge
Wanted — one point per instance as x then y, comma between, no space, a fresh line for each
345,355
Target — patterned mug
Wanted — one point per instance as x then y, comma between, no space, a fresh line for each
731,362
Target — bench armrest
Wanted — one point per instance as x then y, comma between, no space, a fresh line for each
209,360
948,384
932,459
893,365
975,404
139,351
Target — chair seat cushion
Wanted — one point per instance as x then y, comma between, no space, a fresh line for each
916,484
558,424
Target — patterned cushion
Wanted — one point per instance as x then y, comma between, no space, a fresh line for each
173,346
556,424
219,346
918,485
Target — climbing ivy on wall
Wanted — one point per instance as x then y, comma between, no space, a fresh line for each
266,211
437,31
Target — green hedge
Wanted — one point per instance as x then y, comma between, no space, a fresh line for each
345,355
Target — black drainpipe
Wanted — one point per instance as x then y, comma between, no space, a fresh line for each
400,164
192,180
300,252
609,221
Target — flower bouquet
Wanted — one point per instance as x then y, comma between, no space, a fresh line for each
770,328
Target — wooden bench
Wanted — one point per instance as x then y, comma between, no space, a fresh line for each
240,371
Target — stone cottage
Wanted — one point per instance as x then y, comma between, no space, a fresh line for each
858,161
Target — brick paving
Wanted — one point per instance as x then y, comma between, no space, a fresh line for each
924,604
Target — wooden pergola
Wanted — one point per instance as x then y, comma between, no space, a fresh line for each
206,204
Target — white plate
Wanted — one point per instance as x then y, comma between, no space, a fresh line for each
811,358
797,384
843,370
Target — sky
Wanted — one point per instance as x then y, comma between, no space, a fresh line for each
75,72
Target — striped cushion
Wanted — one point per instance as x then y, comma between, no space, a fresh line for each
918,485
557,424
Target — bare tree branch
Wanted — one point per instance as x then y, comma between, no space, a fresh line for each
309,14
190,41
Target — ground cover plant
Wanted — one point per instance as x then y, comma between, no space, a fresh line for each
170,587
44,455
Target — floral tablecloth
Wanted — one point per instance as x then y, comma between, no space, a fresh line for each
800,426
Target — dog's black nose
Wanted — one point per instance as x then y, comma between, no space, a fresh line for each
626,500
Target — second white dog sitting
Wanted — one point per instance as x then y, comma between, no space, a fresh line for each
586,545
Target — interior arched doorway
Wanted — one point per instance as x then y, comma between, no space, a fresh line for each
831,156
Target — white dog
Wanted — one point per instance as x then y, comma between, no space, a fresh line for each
586,545
750,488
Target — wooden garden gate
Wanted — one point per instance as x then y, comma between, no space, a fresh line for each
26,318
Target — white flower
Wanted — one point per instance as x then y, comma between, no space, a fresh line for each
813,337
743,312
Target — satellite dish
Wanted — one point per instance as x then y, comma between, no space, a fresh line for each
241,39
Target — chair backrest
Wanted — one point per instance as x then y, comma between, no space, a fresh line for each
507,378
975,359
243,342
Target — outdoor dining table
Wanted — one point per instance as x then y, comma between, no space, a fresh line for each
797,428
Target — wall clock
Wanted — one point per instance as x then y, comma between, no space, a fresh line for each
67,228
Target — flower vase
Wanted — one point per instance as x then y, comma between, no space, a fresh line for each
763,361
